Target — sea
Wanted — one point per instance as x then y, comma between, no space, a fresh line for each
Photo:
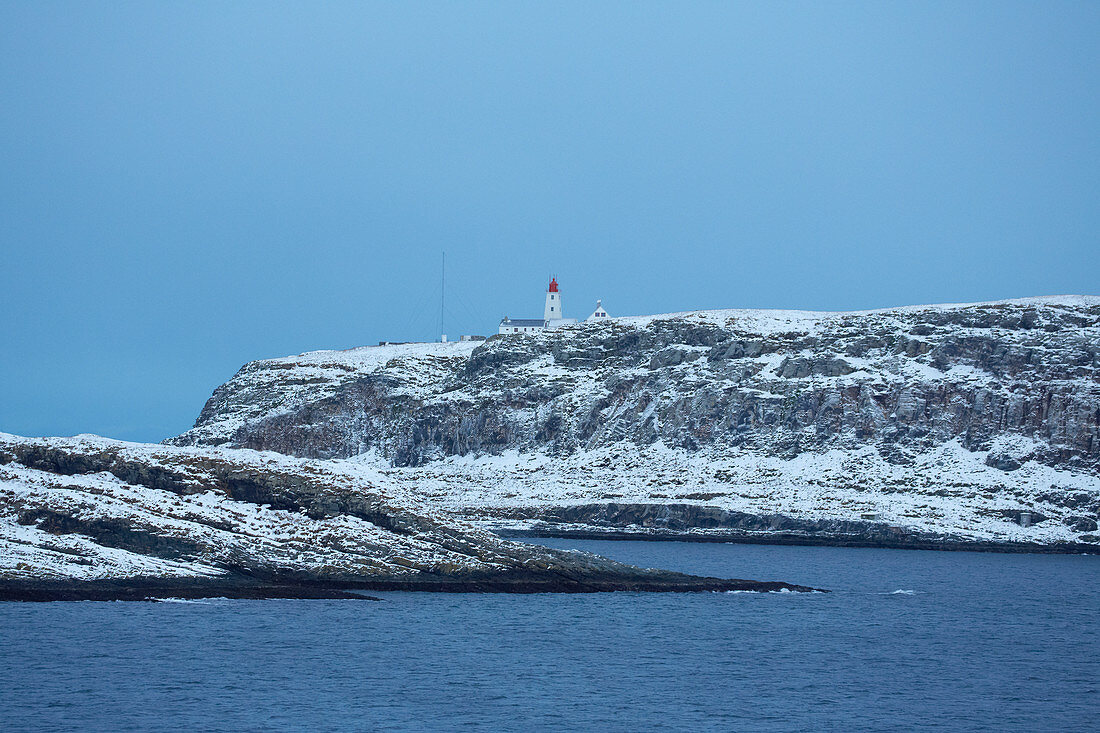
905,640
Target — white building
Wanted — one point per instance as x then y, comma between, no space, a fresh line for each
598,313
521,325
552,315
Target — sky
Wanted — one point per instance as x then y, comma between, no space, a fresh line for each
185,187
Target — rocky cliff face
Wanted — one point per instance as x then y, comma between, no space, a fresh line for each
88,517
1003,398
781,382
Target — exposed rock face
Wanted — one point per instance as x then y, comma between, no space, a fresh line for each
89,518
781,382
1016,382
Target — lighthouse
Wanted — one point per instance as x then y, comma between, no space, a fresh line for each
552,311
552,316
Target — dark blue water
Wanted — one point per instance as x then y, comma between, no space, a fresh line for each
976,642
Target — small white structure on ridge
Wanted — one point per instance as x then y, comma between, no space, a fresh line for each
598,313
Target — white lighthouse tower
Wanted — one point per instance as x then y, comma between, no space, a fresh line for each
552,311
552,314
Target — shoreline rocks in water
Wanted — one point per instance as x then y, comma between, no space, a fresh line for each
89,518
772,537
701,523
156,589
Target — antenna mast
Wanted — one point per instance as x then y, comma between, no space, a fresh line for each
442,284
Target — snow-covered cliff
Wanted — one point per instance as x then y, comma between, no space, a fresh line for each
944,423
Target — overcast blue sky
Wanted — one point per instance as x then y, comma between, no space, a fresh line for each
188,186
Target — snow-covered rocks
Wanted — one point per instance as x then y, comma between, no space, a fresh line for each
947,497
948,419
88,510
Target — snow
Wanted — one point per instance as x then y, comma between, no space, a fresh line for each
769,322
28,552
222,532
947,490
266,389
370,358
272,387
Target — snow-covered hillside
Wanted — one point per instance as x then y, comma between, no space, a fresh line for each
88,509
946,497
947,420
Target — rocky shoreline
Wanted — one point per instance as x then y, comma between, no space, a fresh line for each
154,589
790,538
88,518
702,523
